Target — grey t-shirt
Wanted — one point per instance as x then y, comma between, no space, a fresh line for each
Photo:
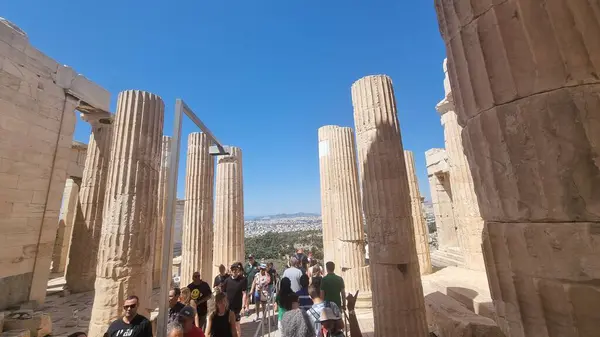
294,275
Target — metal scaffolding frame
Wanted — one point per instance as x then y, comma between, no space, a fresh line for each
216,149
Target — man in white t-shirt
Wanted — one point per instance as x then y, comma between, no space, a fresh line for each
294,273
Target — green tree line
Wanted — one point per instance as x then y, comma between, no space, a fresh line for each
276,247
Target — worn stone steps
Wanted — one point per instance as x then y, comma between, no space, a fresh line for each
447,258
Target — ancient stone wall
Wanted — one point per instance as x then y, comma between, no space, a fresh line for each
441,197
467,219
69,207
526,85
37,121
83,253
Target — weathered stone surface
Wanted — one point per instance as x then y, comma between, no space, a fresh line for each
346,221
162,201
398,307
16,333
37,323
83,254
197,245
327,203
467,286
467,219
524,76
420,226
441,197
77,160
448,318
36,131
127,237
229,210
68,210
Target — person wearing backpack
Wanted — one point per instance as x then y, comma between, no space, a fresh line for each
314,313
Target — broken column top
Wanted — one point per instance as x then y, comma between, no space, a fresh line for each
93,98
437,161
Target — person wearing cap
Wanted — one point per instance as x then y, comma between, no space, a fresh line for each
186,319
250,270
329,320
259,289
235,289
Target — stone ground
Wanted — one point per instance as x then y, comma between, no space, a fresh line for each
72,313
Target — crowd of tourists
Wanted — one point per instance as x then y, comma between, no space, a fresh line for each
309,302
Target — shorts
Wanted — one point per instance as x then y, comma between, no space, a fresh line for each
238,317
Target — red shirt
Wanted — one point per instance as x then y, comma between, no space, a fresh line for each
195,332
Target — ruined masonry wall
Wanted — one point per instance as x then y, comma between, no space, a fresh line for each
37,122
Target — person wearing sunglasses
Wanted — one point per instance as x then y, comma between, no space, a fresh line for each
132,324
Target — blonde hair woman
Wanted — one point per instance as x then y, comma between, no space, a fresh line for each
186,299
221,322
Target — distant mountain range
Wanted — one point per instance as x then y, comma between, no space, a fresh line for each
281,216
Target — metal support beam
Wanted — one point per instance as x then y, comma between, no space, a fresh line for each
217,149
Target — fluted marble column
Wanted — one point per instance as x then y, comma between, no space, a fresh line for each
468,220
419,224
526,86
83,254
398,305
126,242
163,176
348,229
327,173
197,242
66,219
229,210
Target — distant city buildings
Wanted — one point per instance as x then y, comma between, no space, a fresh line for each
281,223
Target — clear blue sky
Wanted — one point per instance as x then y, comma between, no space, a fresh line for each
264,75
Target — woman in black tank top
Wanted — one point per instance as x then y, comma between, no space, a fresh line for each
221,322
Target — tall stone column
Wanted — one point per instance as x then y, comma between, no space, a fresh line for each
163,176
327,173
83,255
398,305
419,224
346,213
126,241
524,76
229,210
464,201
197,242
66,220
